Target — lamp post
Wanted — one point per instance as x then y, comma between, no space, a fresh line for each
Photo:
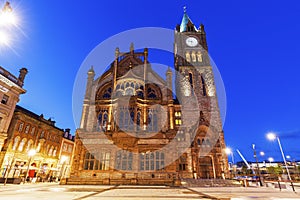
272,137
228,151
257,165
63,161
31,153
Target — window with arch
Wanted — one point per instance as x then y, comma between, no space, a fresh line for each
50,151
21,127
32,131
107,93
16,142
102,119
29,144
187,57
151,93
21,145
199,57
27,129
124,160
194,57
54,151
38,149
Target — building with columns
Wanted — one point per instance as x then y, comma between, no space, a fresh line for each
11,88
136,130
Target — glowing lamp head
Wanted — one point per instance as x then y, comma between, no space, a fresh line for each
31,152
228,151
262,153
271,136
271,159
64,158
288,157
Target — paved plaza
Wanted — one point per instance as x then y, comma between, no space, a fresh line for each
77,192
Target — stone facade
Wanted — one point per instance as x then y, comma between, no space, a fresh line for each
134,130
66,154
29,131
10,89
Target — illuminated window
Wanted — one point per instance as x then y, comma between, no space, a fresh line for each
187,57
29,144
194,57
16,142
21,127
178,118
124,160
199,57
27,129
22,143
98,162
152,161
32,131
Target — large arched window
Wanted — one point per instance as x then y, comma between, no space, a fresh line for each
29,144
152,121
121,120
138,120
131,122
22,143
16,142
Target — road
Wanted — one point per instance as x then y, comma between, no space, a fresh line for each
54,191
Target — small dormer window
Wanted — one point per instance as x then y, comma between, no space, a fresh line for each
4,99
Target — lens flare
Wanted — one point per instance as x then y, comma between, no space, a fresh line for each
4,38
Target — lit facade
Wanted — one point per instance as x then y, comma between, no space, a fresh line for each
133,130
31,131
11,88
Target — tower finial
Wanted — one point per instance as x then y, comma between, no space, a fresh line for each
184,9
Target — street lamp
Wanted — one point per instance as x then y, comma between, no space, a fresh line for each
63,161
261,153
31,153
272,137
228,151
258,170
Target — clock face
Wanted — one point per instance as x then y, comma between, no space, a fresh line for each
191,41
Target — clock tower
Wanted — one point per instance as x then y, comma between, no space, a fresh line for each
195,79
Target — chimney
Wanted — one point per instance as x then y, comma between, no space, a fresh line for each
22,75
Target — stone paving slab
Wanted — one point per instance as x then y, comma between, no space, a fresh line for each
54,191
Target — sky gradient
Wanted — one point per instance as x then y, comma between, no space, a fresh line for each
255,45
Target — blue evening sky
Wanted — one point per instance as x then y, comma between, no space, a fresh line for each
255,45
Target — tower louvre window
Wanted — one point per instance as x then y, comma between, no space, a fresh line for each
199,57
194,57
203,86
187,57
